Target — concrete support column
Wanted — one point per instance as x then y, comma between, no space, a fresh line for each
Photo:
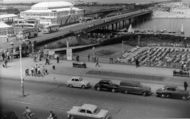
121,25
116,26
112,27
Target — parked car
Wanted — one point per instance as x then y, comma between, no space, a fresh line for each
88,111
78,82
106,85
79,65
134,87
172,92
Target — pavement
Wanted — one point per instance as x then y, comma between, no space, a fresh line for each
150,76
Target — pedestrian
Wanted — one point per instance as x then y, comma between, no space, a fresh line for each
46,71
185,85
46,61
57,59
137,62
111,60
97,62
53,67
77,58
36,70
27,72
88,57
6,61
3,56
35,58
32,71
39,71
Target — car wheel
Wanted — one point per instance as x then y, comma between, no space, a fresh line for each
163,95
125,91
113,90
69,85
184,98
71,117
83,86
144,94
98,88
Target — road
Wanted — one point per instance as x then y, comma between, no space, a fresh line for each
42,97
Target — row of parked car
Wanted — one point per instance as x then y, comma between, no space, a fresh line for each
130,87
91,111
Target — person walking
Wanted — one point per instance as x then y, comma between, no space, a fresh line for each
57,59
185,85
97,62
88,57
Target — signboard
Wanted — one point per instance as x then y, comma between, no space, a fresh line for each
69,54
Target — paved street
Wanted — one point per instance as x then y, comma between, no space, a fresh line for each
50,91
60,98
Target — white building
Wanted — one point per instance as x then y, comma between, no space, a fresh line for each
9,18
57,12
6,33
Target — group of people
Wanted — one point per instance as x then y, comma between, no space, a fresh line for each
28,114
37,70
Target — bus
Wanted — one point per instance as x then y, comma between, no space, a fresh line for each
50,28
85,19
27,33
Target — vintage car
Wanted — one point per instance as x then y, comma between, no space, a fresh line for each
172,92
78,81
79,65
106,85
88,111
134,87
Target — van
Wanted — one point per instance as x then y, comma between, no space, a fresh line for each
134,87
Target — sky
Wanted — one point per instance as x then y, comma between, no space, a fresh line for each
100,1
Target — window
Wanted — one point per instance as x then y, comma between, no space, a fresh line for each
171,89
89,112
82,111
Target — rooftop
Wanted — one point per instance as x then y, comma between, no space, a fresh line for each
7,16
51,5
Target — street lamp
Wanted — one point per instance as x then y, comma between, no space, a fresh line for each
21,73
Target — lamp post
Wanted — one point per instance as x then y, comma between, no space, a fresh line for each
21,73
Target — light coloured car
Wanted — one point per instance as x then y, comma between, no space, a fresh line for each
88,111
78,82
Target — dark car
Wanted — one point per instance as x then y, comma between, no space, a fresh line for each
134,87
107,85
79,65
172,92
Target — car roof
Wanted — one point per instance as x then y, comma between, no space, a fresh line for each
170,86
90,107
130,82
104,80
76,77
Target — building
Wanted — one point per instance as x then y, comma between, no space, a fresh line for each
8,18
57,12
6,33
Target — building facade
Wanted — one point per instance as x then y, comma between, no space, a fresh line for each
58,12
6,33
